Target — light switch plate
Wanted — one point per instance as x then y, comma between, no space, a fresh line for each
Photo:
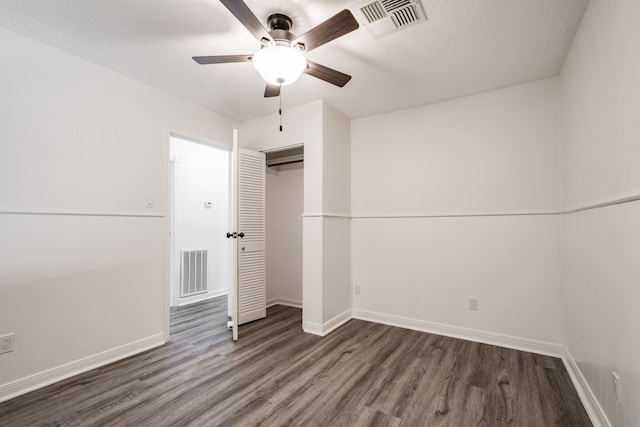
149,201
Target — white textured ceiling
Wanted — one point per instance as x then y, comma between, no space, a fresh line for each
465,47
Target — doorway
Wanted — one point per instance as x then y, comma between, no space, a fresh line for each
200,255
284,209
201,197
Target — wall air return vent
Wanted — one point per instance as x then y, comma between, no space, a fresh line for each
194,272
383,17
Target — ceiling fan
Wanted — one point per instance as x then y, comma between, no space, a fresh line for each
281,59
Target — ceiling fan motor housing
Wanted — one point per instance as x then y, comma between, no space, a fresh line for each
278,21
279,26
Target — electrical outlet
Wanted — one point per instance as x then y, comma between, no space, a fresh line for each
473,303
356,289
617,386
6,343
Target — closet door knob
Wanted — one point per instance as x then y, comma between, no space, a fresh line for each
241,234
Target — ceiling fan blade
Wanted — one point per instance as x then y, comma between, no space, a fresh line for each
271,90
243,14
327,74
334,27
221,59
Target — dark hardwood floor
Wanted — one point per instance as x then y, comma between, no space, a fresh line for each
361,374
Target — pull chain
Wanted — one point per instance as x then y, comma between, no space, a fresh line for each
280,109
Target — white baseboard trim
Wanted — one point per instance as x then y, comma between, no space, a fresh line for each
284,301
202,297
336,322
589,400
492,338
59,373
272,302
290,302
329,326
312,328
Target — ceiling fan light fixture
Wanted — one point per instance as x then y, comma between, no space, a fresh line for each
279,65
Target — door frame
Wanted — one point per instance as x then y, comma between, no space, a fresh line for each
169,218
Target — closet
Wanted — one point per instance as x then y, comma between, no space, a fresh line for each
284,208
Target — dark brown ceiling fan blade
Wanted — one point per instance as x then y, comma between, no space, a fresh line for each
334,27
271,90
327,74
243,14
221,59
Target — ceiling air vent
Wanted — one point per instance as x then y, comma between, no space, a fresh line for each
404,16
383,17
373,12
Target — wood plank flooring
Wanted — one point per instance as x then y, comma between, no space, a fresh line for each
362,374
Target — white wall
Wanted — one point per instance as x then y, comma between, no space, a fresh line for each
336,209
81,256
301,126
201,173
493,152
600,150
444,201
285,198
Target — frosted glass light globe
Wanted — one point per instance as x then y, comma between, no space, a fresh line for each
279,65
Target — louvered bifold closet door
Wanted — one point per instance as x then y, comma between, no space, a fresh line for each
252,279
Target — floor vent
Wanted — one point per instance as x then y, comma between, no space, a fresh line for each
194,272
384,17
